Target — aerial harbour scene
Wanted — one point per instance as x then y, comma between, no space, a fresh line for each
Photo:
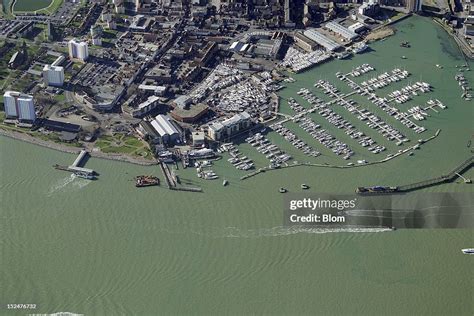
152,152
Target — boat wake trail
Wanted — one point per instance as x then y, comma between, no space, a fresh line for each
66,182
234,232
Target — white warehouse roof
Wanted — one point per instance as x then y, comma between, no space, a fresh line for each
163,125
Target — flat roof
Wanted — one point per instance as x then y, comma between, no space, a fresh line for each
191,112
304,38
57,125
152,99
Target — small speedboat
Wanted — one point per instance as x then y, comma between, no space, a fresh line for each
225,182
468,251
282,190
305,186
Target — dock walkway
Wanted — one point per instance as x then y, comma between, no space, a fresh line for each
454,174
171,180
76,166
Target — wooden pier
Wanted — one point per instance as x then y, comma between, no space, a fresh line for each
171,181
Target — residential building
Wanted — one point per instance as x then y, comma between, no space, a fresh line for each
229,127
78,50
19,106
53,75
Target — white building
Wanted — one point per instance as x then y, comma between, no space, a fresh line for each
53,75
166,128
357,27
78,50
19,106
148,105
230,127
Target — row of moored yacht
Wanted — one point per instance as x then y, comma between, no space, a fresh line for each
271,151
294,140
390,132
238,160
385,79
403,95
359,70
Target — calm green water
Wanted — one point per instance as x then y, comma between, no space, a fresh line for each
106,248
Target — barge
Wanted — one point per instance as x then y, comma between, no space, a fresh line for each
146,181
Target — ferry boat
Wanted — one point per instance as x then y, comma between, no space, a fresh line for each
468,251
376,190
84,175
360,48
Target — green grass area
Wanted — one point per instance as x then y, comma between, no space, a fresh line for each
38,67
60,98
20,84
122,144
53,7
110,34
51,137
119,150
133,142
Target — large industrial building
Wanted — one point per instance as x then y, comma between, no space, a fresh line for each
19,106
230,127
304,42
78,50
342,31
166,129
53,75
322,40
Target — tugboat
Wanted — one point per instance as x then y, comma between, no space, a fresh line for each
282,190
146,181
304,186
